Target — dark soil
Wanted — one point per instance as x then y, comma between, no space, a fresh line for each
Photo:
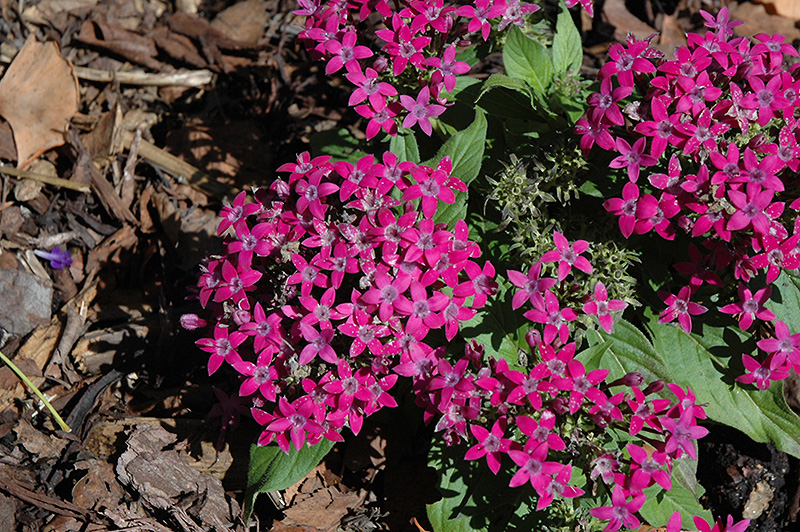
747,479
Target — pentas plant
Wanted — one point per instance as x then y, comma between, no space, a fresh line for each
403,72
708,144
329,286
547,422
339,279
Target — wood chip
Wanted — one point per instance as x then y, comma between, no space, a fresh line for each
110,250
119,41
8,510
104,440
165,482
86,172
27,301
104,141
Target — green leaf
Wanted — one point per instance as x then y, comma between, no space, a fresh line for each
567,48
475,499
338,143
404,145
465,150
527,60
462,84
572,108
507,97
700,362
271,469
443,514
626,350
499,328
785,300
683,497
501,80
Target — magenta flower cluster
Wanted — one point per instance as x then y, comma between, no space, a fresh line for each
326,293
403,77
520,416
328,288
721,119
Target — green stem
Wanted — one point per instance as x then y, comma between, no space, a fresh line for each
30,385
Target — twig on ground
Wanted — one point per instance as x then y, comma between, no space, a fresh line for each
191,78
49,180
178,168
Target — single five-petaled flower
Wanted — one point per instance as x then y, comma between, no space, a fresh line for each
421,110
602,307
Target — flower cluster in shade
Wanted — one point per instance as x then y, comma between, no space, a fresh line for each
708,144
403,72
329,286
516,416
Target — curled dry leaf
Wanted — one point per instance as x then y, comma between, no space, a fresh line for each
38,95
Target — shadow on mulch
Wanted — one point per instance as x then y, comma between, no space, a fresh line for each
747,479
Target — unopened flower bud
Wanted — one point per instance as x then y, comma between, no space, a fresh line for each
560,405
654,387
241,316
634,378
192,321
474,352
381,63
281,188
534,338
600,420
757,141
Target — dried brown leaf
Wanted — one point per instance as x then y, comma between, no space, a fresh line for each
671,35
7,149
323,509
42,446
243,21
38,95
757,20
99,487
785,8
9,380
625,22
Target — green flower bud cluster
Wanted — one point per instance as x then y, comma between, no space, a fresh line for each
525,185
568,85
518,192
